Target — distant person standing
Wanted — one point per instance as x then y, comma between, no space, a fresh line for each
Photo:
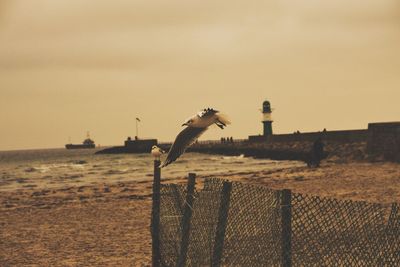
317,152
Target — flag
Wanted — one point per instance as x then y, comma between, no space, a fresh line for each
137,119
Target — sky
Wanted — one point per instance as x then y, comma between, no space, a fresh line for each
72,66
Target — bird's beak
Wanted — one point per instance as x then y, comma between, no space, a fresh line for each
185,124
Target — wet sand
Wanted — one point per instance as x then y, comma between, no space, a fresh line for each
108,224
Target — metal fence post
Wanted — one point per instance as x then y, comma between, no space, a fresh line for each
221,225
286,208
187,215
155,215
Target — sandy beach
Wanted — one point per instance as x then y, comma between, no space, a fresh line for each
108,224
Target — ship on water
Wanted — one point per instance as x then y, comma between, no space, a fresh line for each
87,143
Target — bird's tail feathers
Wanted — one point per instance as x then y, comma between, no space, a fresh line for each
223,118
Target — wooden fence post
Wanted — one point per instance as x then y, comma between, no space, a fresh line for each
221,225
286,208
187,215
155,215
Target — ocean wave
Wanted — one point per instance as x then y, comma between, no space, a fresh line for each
241,156
72,176
41,169
21,180
66,168
31,169
232,162
181,161
113,171
78,162
198,170
49,167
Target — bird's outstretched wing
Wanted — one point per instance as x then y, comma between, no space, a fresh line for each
184,139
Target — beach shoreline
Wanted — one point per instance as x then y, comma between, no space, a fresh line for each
109,223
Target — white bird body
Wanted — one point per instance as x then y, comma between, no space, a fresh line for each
199,122
157,152
196,126
207,117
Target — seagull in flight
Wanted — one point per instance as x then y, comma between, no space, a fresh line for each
157,152
195,126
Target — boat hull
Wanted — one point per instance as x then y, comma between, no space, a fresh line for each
79,146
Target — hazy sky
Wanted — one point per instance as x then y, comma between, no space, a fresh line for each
69,66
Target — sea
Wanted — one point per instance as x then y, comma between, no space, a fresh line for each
58,168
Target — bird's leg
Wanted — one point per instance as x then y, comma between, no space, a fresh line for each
220,125
220,122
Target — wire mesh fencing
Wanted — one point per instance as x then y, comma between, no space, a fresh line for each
235,224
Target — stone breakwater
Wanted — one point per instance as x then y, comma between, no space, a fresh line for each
334,152
302,151
380,142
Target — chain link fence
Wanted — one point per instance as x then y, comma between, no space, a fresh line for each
236,224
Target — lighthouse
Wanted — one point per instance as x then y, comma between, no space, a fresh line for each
267,119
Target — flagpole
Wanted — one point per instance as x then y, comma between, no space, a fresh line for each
137,129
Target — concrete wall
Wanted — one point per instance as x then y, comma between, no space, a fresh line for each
347,136
384,139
